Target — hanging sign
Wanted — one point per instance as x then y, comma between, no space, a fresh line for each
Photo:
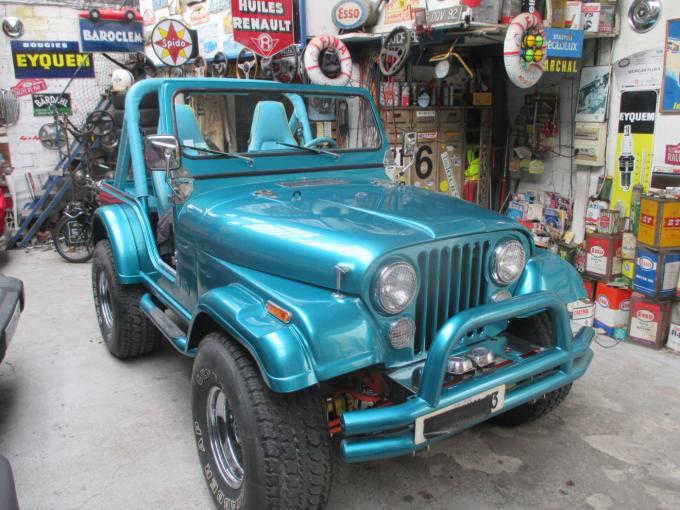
172,42
26,87
112,36
564,49
399,11
349,14
44,104
50,59
634,145
262,26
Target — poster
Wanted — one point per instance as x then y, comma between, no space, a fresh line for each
50,59
44,104
263,27
592,94
634,145
640,71
207,39
670,88
399,11
111,36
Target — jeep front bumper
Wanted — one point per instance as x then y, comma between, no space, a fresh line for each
390,431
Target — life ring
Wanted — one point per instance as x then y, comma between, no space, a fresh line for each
521,72
313,65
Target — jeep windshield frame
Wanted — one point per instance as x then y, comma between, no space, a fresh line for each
271,161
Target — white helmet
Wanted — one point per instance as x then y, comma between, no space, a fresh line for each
121,80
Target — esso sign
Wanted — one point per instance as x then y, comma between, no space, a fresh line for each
597,251
604,302
645,315
350,14
646,263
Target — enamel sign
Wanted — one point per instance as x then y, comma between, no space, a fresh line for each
112,36
50,59
172,42
265,27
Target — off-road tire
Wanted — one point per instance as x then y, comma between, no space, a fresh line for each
131,333
532,411
285,454
536,329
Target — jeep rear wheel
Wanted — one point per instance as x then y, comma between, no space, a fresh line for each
258,449
127,332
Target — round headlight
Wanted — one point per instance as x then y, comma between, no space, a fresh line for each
395,287
508,263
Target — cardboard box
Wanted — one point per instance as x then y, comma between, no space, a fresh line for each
572,15
659,222
581,313
628,245
612,309
649,320
656,272
590,17
603,255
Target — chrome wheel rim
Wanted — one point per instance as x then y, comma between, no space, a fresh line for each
224,439
105,300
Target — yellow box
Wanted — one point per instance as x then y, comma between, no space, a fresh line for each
659,222
628,269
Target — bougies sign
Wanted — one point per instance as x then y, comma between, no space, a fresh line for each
50,59
265,27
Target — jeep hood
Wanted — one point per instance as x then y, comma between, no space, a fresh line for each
301,229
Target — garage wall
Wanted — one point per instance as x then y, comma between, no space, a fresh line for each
44,23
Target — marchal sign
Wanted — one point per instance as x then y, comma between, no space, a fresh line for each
265,27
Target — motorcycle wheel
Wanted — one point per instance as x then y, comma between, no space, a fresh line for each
73,239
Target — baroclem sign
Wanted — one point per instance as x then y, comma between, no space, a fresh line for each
113,36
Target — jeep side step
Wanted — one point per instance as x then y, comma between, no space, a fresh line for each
165,324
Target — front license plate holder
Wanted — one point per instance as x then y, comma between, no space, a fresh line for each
458,416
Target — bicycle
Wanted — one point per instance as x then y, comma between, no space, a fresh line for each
72,235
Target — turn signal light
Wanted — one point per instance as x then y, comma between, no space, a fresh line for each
278,312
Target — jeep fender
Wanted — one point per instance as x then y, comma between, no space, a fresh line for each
547,271
275,346
110,221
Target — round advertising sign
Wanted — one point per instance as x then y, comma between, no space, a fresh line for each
171,42
350,14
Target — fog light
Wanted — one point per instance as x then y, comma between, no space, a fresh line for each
501,295
458,365
481,356
402,332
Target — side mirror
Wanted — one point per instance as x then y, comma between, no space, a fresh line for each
161,152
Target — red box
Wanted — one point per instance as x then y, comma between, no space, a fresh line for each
612,309
603,256
649,321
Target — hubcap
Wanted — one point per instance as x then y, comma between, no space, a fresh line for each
105,300
224,438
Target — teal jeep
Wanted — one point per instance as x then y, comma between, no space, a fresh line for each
256,231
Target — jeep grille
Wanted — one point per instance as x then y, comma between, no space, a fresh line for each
453,279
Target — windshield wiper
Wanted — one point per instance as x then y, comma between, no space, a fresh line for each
313,150
250,161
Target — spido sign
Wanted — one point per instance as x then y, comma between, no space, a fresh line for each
350,14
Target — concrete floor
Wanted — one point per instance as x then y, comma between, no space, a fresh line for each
86,431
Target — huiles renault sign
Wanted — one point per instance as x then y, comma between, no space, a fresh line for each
265,27
112,36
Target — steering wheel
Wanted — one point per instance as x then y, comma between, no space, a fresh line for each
322,139
99,123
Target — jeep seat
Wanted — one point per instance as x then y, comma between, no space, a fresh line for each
270,128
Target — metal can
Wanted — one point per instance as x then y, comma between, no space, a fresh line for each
609,221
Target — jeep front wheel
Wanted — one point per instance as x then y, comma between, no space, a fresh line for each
127,332
258,449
